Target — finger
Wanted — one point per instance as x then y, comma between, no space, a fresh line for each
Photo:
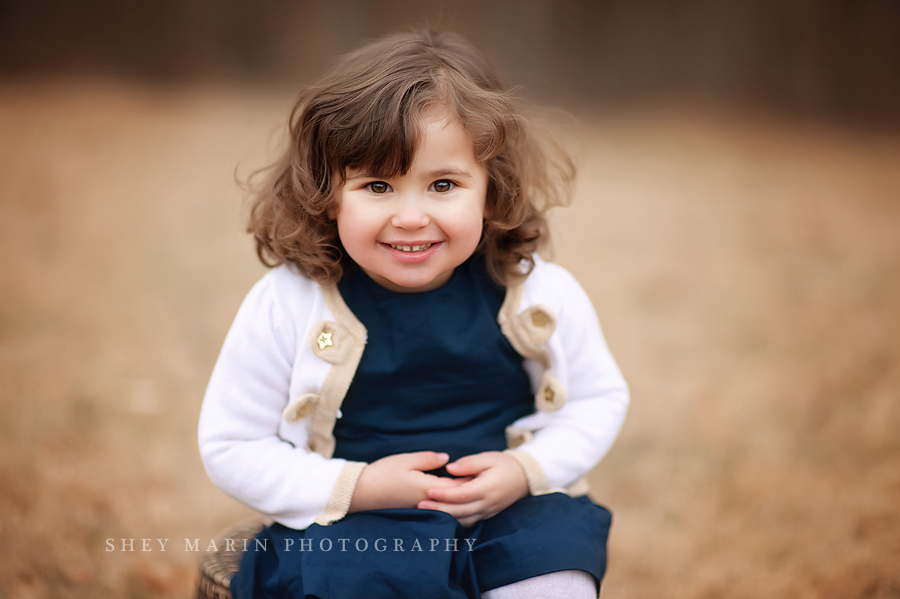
472,464
458,511
443,482
471,515
425,460
467,522
465,493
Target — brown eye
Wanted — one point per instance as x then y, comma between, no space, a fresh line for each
442,186
378,187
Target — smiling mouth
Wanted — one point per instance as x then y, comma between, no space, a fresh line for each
411,248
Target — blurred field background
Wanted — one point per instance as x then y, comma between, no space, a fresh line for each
737,226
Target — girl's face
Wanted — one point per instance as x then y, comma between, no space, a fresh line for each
410,232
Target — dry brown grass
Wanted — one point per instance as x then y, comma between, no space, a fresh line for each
747,272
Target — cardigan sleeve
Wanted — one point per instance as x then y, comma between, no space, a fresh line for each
240,445
568,443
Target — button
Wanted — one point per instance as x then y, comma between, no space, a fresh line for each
549,394
540,319
324,340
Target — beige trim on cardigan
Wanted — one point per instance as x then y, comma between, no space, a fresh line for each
537,480
342,494
527,331
341,343
534,474
344,353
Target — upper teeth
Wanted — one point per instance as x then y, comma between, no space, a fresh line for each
411,248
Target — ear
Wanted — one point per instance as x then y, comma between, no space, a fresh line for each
334,204
490,207
490,199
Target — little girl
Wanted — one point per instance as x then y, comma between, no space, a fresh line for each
412,395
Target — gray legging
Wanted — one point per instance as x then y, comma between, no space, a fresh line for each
569,584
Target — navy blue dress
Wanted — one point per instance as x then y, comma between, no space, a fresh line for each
437,374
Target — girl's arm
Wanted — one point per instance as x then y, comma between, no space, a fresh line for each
568,443
252,455
242,450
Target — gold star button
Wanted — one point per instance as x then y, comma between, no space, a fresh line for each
549,394
324,340
540,319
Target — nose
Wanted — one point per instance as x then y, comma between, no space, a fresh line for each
411,214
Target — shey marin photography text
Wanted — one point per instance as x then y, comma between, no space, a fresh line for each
380,545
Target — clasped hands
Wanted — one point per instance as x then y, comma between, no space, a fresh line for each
487,484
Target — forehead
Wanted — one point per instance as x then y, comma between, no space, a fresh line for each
441,142
443,138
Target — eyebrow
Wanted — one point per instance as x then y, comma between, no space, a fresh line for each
435,174
453,172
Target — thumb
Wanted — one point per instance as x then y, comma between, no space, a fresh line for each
471,464
426,460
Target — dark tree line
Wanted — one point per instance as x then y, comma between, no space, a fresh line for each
831,58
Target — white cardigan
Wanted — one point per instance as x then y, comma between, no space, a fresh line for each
269,411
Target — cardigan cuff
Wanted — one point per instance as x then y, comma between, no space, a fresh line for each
534,474
339,502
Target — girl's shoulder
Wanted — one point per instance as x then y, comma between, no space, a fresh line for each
552,286
551,281
283,294
287,281
283,284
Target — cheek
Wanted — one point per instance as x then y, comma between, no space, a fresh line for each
346,227
357,230
469,226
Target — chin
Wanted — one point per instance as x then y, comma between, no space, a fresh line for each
412,284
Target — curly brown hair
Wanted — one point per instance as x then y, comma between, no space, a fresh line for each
365,113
